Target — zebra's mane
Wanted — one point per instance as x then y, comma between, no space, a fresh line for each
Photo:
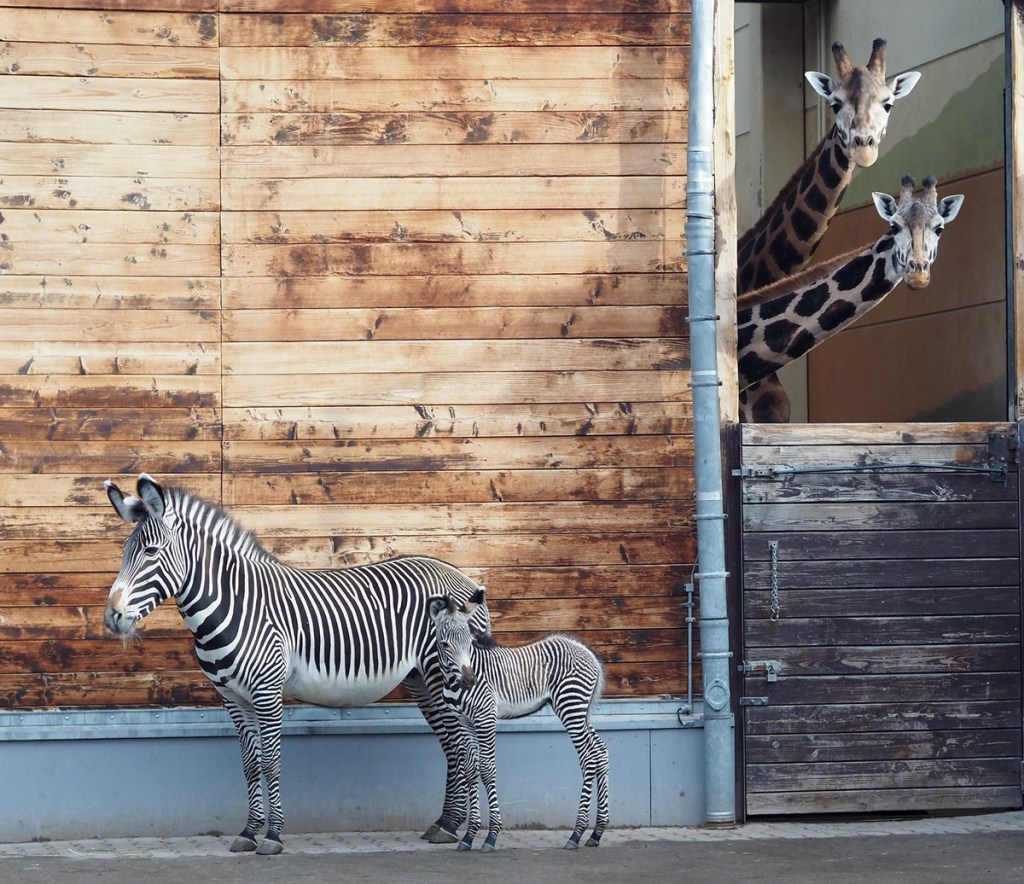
212,520
484,640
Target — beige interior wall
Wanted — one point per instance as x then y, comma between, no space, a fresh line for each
951,127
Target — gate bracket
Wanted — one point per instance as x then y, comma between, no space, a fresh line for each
1002,451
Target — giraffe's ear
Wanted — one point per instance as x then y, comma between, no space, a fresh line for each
949,206
903,84
821,83
886,205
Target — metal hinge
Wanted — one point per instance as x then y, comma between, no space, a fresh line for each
1002,451
753,701
771,668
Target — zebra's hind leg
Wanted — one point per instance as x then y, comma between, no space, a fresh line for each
602,791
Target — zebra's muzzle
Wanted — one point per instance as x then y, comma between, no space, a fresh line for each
117,622
468,677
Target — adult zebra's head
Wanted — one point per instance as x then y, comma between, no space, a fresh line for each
152,567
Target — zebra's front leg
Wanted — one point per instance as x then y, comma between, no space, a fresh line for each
489,774
469,754
244,720
445,726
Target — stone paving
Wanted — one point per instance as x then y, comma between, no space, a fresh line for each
384,842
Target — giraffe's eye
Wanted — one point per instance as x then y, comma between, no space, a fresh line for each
887,105
836,105
938,230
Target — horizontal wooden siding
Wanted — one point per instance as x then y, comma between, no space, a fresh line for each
389,282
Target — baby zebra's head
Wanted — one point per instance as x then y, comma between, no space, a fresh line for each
455,638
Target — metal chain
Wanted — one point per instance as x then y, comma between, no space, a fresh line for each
773,553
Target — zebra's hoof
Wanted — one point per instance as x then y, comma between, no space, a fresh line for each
593,842
463,846
431,832
243,844
440,836
571,845
270,847
487,848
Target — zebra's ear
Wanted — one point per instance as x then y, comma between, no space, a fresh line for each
128,508
438,607
474,601
152,496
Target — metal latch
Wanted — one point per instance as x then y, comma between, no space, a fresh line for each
1002,451
771,668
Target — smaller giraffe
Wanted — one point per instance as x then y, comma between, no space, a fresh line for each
788,233
782,321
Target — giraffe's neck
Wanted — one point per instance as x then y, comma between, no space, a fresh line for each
790,230
783,321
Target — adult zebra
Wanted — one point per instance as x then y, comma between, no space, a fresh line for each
265,630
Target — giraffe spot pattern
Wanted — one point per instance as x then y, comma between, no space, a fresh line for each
804,226
880,284
836,314
812,300
778,334
746,278
815,200
840,158
752,367
830,177
802,342
744,336
786,257
763,276
776,307
808,177
852,274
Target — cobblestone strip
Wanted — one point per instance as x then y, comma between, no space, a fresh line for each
535,839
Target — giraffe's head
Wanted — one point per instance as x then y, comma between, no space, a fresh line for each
916,223
862,99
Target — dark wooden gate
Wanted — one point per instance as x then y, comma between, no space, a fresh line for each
880,613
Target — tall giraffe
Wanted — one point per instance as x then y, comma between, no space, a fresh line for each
782,321
788,233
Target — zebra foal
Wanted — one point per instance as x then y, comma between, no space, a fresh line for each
264,631
485,681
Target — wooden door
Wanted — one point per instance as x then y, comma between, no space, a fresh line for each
881,618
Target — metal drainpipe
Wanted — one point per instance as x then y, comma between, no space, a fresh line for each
719,749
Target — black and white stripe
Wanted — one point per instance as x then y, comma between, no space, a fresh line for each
265,631
485,681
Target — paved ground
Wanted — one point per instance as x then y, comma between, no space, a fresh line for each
987,847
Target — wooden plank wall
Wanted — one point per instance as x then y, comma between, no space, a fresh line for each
423,292
898,624
109,326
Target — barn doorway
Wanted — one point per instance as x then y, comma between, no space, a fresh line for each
939,354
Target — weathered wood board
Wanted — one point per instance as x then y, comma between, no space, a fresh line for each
382,284
883,582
